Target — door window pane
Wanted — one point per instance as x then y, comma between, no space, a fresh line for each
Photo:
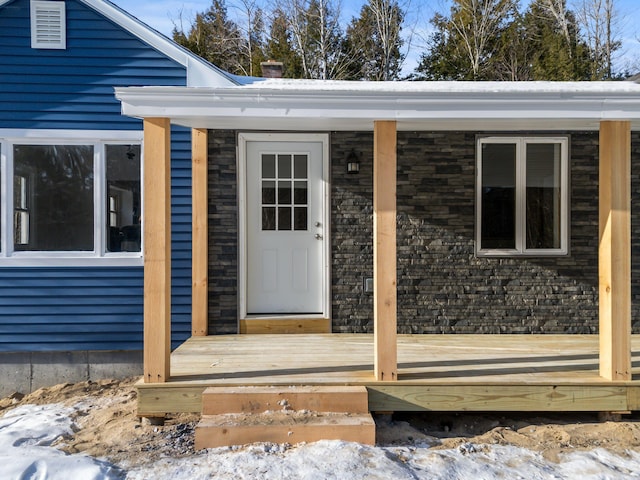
300,218
300,193
543,195
268,218
268,166
269,192
284,218
279,195
284,166
55,207
123,198
300,166
498,196
284,193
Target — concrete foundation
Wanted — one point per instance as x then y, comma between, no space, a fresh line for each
25,372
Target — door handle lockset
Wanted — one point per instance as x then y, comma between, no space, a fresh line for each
318,236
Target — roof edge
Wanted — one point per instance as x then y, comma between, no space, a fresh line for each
238,107
200,73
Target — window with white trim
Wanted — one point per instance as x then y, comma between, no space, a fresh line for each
70,198
522,196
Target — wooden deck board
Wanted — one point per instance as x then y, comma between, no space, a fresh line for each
447,372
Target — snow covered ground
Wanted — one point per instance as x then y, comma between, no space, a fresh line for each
30,434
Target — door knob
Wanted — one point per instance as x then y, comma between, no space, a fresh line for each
318,224
318,236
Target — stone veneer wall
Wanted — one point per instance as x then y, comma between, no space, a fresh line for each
442,286
223,233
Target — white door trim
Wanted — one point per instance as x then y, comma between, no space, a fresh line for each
243,138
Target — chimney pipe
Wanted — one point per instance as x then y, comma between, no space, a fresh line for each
271,69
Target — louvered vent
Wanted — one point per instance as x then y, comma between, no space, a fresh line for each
48,26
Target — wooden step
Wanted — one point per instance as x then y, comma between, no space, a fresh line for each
275,427
241,415
342,399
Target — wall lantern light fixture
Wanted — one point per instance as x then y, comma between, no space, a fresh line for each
353,163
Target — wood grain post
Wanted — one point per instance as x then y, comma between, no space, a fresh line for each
615,250
157,249
384,251
199,232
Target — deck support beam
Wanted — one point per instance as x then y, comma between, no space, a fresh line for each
199,232
157,249
384,251
615,250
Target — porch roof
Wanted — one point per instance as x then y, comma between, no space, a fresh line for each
260,104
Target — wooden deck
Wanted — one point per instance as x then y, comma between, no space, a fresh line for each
436,372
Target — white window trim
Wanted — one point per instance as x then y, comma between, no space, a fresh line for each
98,139
36,6
521,250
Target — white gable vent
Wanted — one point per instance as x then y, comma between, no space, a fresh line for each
48,26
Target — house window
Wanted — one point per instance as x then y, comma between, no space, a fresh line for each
53,197
70,199
522,196
123,198
48,25
21,208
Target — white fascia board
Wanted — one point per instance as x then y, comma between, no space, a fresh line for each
238,107
199,72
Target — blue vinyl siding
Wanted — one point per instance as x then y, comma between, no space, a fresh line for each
180,234
98,308
73,88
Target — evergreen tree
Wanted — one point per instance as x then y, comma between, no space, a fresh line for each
559,52
464,43
514,56
215,38
492,40
374,42
280,48
317,37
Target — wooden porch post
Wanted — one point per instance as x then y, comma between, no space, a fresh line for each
384,251
615,250
199,258
157,249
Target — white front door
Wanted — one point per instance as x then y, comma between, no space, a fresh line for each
285,226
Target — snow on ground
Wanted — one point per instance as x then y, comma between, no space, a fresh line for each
29,436
333,460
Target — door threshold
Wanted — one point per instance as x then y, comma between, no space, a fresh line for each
284,325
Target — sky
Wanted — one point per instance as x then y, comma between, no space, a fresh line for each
164,14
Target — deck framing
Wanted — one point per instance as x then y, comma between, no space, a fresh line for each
436,372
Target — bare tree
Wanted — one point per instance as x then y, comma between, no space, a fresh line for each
600,24
251,25
477,23
558,11
317,36
388,24
213,36
374,42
